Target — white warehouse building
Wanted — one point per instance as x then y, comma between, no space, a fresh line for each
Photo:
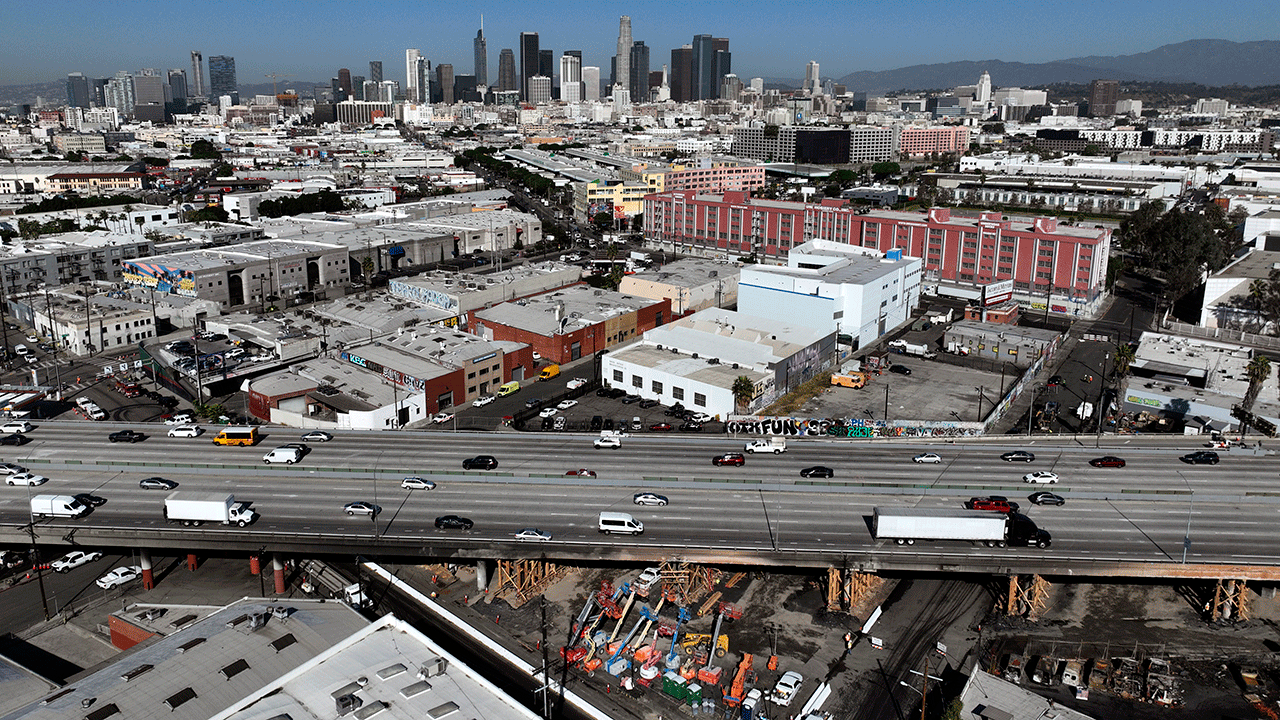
833,287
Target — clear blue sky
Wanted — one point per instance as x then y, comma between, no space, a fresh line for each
309,41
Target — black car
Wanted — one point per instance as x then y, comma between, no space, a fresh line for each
533,402
1107,461
90,500
617,393
480,462
690,427
817,471
900,369
14,439
547,423
454,522
604,391
646,404
597,422
157,483
1047,498
676,410
608,424
302,448
1055,381
129,436
1018,456
627,400
1201,457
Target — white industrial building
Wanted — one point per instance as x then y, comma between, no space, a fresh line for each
834,287
691,284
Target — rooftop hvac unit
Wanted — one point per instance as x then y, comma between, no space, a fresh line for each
695,356
347,704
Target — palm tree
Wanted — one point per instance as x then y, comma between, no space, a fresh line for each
1124,356
743,391
1258,370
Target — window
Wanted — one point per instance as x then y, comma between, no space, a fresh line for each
677,393
699,399
656,387
617,376
637,381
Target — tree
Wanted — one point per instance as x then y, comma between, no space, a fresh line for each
1257,371
1124,357
743,392
602,220
885,169
204,150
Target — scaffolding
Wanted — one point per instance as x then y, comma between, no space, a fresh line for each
684,583
519,581
1027,596
846,589
1230,601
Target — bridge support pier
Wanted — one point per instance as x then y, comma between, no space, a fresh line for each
482,575
1230,601
277,569
192,562
525,578
847,588
1027,596
148,577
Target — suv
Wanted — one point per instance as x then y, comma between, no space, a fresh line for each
1201,457
995,504
480,462
900,369
732,458
129,436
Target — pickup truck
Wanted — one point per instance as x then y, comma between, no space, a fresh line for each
775,445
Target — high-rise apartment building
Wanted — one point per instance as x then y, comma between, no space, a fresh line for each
148,97
78,90
638,79
444,84
570,78
622,61
811,81
528,61
539,89
119,92
412,74
590,83
480,50
507,70
1103,95
222,77
682,74
197,74
178,85
344,85
375,71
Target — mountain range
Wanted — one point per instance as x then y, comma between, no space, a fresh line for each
1206,62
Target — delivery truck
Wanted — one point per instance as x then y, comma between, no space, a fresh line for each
63,506
198,508
915,349
905,526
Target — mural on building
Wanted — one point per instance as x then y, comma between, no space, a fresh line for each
426,296
164,279
849,427
391,374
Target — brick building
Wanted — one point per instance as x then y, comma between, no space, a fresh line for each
915,142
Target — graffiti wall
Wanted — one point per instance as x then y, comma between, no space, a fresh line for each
849,427
163,279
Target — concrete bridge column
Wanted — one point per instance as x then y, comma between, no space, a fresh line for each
277,567
482,575
192,562
148,579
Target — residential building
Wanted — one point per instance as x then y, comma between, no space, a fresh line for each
820,145
1103,95
917,141
119,93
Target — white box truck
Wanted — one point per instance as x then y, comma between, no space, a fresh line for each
905,526
63,506
198,508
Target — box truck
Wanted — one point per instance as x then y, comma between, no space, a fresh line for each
63,506
198,508
905,526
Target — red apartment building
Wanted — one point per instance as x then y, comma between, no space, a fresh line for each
1043,258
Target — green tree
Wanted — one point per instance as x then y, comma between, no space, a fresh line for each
885,169
204,150
744,391
602,220
1257,372
1124,357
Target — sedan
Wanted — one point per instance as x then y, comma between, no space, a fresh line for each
443,417
14,439
454,522
818,471
646,404
699,417
361,508
185,431
90,500
581,472
566,404
417,483
129,436
648,498
1018,456
17,427
729,459
11,468
934,458
628,399
73,560
900,369
483,400
480,462
1042,477
661,427
26,478
532,534
533,402
157,483
547,412
1045,497
119,576
316,436
1107,461
690,427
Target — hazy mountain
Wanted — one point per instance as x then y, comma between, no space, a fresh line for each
1208,62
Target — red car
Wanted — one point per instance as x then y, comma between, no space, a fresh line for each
993,504
1107,461
729,459
660,427
581,472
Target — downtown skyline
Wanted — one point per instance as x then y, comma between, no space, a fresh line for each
101,40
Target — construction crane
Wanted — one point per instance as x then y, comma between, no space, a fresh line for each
273,77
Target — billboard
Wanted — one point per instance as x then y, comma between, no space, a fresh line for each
997,292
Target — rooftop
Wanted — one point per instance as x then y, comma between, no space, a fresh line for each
688,273
700,369
733,337
1254,265
1007,333
1220,366
987,697
579,306
249,252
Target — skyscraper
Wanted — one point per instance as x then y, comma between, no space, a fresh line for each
119,92
1103,95
357,87
570,78
983,92
444,84
638,78
344,84
721,63
178,85
411,75
375,71
222,77
148,97
702,58
811,81
481,50
590,83
547,67
539,89
528,61
507,70
622,60
197,74
78,90
681,80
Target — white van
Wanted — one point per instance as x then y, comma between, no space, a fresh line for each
286,455
62,506
616,522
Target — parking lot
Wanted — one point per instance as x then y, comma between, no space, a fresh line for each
615,413
934,390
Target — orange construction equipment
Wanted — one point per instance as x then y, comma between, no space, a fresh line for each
736,690
773,662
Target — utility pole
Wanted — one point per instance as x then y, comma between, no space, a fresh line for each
1102,394
886,402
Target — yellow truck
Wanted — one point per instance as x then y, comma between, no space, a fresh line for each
853,380
549,372
508,388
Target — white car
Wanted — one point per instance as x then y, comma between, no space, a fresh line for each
1042,477
21,349
607,442
119,576
927,458
417,483
443,417
532,534
576,383
26,478
547,412
566,404
73,560
185,431
786,689
33,339
701,417
483,400
16,427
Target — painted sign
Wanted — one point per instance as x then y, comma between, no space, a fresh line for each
391,374
849,427
162,278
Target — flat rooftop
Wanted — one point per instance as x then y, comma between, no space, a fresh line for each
239,254
733,337
581,305
699,369
1008,333
1221,366
689,273
1254,265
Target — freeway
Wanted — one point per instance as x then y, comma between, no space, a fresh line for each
1130,522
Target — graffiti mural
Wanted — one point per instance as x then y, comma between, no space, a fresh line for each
849,427
164,279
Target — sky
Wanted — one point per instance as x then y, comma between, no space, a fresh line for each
309,41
